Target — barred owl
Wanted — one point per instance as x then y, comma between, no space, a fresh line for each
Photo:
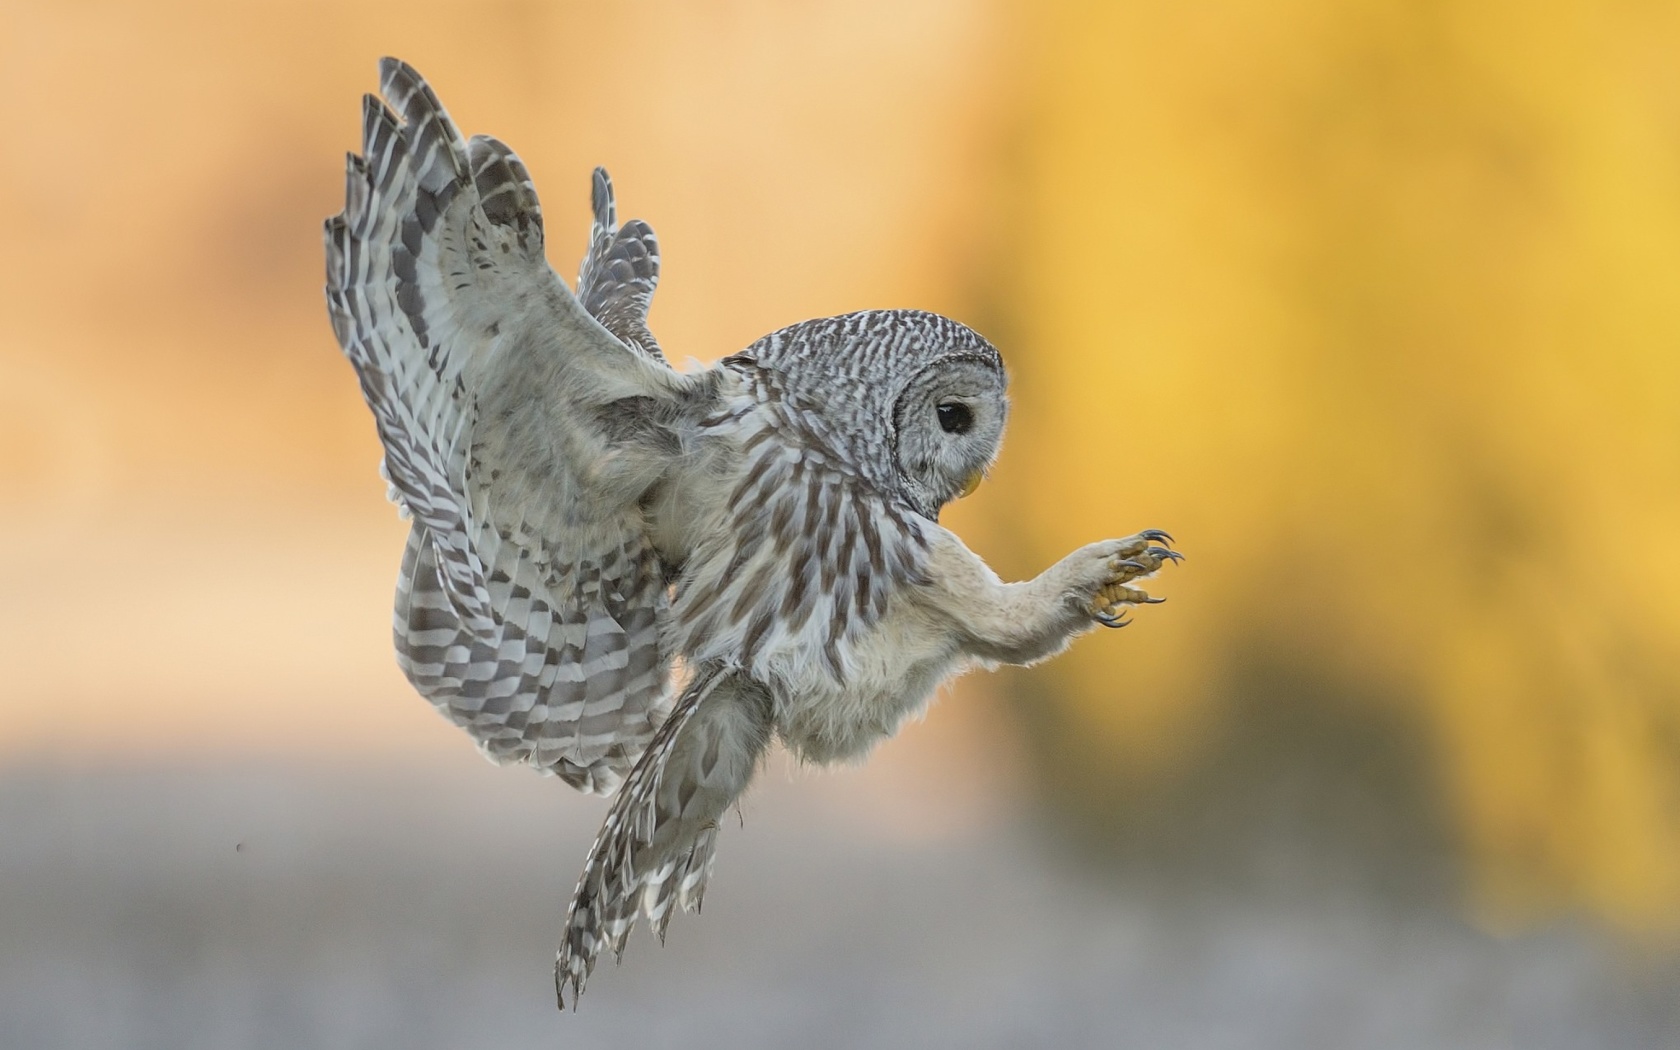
634,578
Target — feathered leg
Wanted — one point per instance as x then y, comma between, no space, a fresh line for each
655,849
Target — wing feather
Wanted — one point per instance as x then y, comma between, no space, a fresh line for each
619,274
529,598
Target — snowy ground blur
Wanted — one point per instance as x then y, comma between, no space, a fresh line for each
297,906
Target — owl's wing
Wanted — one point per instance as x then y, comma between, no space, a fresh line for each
518,432
621,270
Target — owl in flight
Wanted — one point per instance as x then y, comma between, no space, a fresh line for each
635,578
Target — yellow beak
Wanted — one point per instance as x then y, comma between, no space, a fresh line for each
972,483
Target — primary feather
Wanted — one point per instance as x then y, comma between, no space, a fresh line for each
529,597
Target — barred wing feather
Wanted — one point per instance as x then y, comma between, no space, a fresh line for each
519,432
621,271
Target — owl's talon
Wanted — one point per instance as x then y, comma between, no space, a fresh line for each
1132,559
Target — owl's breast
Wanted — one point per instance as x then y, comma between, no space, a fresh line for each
797,574
892,671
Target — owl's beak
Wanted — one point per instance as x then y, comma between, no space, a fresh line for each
972,483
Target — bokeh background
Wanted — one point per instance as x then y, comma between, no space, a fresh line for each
1375,305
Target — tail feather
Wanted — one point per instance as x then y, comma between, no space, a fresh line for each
657,845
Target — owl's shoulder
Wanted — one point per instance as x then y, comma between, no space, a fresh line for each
794,551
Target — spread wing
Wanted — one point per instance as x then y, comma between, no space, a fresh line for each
519,433
618,276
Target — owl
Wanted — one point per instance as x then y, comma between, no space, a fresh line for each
634,578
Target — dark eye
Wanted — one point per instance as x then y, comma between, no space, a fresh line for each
955,417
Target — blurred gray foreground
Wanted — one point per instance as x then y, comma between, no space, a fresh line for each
418,907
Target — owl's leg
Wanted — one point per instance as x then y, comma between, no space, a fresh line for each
655,848
1022,623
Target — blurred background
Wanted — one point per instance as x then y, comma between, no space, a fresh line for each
1374,305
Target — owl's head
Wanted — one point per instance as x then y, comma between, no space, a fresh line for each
914,400
947,426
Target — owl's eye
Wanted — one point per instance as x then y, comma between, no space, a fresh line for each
954,417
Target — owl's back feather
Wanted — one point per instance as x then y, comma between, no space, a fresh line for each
809,547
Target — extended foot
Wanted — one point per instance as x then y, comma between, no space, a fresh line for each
1134,558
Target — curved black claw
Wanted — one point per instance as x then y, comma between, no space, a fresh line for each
1166,554
1130,564
1151,601
1112,621
1157,536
